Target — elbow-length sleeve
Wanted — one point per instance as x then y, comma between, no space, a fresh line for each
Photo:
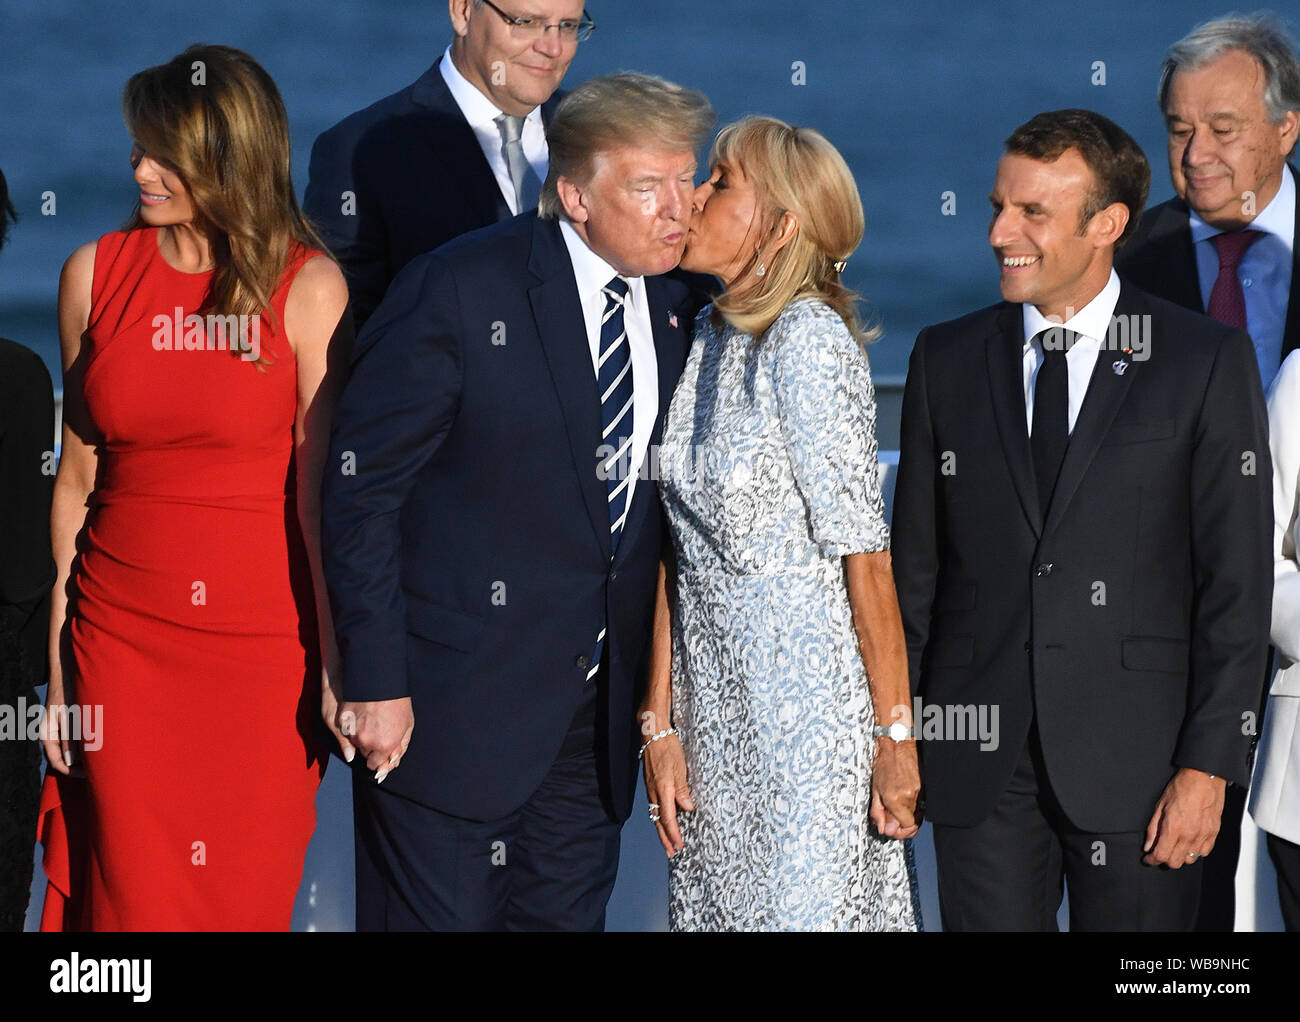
826,405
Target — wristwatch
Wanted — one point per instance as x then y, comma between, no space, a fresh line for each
898,731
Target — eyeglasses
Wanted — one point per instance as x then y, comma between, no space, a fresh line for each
533,29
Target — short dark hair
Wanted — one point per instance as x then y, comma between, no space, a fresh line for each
7,211
1119,168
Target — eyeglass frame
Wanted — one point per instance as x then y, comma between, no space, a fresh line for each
515,21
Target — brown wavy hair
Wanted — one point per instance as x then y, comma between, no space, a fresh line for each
795,171
216,115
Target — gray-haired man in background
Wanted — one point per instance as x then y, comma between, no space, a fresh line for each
1230,95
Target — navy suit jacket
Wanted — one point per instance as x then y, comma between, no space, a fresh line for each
417,179
1131,620
466,536
1160,258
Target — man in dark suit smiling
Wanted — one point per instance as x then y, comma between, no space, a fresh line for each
461,148
1081,538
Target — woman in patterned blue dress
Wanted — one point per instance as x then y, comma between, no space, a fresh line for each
778,644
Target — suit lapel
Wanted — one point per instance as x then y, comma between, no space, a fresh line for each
668,325
456,146
1004,354
1291,334
1106,392
557,314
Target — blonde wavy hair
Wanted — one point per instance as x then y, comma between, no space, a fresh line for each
215,115
795,171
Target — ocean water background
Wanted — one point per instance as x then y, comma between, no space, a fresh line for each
918,97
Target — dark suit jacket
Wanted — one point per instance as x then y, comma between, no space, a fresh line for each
1133,623
468,557
26,564
418,177
1160,258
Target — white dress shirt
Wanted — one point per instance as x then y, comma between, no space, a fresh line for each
1264,272
1092,324
592,273
481,113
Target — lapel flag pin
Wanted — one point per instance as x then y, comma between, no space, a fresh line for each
1119,366
672,320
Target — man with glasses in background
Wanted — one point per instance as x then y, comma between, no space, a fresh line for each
461,148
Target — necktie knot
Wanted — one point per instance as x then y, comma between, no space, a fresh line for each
1232,245
1056,341
616,290
512,128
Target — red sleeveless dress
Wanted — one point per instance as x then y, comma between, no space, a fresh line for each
191,623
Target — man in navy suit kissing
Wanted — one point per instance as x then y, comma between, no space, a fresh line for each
491,565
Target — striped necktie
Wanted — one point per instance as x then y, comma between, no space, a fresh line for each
614,381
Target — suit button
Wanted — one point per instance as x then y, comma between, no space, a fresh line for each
613,575
1028,648
1044,570
583,661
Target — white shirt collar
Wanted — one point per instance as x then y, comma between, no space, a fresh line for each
1277,218
1091,322
592,272
479,111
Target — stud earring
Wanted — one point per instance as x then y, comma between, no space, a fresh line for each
761,270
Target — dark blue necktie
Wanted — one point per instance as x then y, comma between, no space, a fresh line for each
614,381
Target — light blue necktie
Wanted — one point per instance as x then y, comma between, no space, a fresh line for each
522,175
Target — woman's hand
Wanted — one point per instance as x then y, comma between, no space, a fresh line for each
56,736
667,787
895,788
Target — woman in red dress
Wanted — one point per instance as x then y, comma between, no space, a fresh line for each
201,352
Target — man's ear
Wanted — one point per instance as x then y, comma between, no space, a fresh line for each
1290,129
459,12
1107,225
572,198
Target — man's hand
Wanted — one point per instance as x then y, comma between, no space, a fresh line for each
895,787
1186,820
380,731
331,695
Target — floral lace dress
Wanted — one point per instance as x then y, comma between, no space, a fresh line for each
769,477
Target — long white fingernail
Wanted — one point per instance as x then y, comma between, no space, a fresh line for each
349,754
67,757
380,775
